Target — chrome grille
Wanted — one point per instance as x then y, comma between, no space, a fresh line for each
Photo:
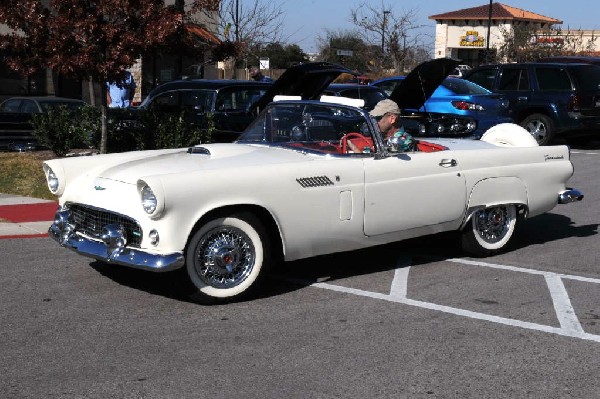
90,221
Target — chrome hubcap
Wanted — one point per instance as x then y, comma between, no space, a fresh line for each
224,257
537,129
492,224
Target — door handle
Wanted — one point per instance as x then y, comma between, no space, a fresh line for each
522,98
448,163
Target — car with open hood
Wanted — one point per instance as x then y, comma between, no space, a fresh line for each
459,97
413,95
311,175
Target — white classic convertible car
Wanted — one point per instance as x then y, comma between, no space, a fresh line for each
308,177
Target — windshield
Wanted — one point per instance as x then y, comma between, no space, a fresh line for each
314,126
449,87
462,87
178,100
238,98
371,97
47,105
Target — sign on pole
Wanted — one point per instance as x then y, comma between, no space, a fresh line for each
345,53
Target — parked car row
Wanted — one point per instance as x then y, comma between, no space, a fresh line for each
234,104
547,98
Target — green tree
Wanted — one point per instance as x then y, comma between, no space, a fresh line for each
346,48
62,129
528,43
281,56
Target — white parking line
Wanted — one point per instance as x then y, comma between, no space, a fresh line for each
399,288
569,323
519,269
562,304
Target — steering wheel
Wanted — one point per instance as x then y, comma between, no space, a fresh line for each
357,143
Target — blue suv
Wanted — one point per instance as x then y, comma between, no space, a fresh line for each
550,100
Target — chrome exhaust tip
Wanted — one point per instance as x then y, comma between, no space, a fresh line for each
569,195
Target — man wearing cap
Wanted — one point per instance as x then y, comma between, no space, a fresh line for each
387,115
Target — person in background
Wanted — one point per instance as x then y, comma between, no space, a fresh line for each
257,75
387,114
120,95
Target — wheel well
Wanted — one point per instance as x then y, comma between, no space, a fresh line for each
257,211
530,111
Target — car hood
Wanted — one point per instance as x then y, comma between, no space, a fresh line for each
421,82
206,157
307,80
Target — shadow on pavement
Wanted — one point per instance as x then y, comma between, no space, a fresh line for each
292,276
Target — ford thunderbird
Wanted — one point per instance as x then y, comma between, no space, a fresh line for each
309,176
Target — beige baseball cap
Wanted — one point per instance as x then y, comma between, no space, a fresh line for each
383,107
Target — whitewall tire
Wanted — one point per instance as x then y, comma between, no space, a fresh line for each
225,258
489,230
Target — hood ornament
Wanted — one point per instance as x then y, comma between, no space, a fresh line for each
99,188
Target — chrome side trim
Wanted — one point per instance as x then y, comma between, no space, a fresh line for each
569,195
112,249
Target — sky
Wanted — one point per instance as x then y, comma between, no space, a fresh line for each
306,19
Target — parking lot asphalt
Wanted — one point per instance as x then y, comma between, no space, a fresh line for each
25,216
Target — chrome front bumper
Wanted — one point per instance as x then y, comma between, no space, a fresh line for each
569,195
111,248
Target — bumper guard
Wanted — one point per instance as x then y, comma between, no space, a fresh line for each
112,247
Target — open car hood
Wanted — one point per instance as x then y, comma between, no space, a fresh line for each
421,82
307,80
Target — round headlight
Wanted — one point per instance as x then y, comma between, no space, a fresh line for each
52,180
149,201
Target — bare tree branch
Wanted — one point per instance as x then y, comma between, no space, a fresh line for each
393,31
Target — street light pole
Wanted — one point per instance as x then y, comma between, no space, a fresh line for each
237,20
489,27
385,13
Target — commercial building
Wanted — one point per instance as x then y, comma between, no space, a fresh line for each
468,34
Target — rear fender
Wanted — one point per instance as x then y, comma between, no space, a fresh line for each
496,191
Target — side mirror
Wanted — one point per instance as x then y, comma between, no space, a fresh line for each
393,144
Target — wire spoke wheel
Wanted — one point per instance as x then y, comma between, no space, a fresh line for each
489,230
224,258
492,224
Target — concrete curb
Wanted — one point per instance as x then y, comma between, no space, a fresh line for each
25,217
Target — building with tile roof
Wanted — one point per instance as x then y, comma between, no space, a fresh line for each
468,34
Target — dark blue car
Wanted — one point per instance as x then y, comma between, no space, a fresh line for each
460,97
